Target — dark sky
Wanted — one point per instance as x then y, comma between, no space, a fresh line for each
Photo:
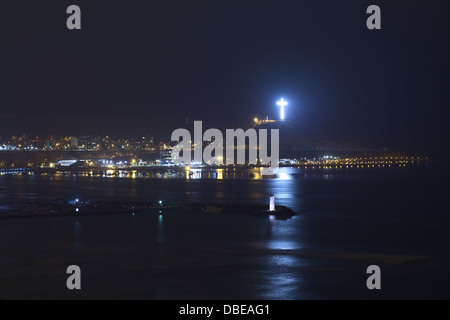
140,67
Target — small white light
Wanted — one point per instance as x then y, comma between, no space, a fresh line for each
76,210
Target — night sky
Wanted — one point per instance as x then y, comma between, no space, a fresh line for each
142,67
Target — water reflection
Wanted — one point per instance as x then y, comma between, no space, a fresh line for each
219,174
160,231
286,188
189,173
194,174
283,265
282,285
77,236
269,226
284,174
282,244
282,234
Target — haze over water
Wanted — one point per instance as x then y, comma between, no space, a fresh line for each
347,220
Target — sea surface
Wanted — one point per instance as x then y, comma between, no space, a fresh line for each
348,219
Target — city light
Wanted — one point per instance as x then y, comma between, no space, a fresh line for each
282,103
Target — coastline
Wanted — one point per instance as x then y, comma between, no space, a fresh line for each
64,208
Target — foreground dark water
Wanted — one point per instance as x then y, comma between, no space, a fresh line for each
395,218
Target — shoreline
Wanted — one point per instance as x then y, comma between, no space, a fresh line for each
54,208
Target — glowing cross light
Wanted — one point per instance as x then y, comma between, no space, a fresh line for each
282,103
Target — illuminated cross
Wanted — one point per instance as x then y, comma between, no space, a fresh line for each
282,104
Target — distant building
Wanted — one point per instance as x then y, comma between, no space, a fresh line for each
66,163
74,142
259,122
147,143
89,142
166,157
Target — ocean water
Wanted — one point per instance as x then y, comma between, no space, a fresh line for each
396,218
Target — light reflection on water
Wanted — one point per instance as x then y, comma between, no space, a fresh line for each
286,189
281,286
256,173
77,236
281,244
282,275
194,255
284,261
160,232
